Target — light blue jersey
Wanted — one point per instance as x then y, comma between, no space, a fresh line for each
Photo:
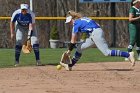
84,25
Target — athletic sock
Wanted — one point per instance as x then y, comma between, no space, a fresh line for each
36,51
17,53
75,58
119,53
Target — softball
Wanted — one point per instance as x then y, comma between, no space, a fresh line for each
58,67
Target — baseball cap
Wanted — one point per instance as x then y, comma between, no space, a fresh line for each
24,6
68,19
134,2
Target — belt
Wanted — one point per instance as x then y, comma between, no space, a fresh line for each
23,25
93,29
136,22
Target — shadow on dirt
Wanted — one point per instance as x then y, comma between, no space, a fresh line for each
120,69
106,70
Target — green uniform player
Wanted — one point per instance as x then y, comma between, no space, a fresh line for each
134,27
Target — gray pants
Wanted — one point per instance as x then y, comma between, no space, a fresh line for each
97,38
22,33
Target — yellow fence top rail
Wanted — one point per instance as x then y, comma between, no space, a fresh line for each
63,18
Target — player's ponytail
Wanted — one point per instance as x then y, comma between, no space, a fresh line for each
132,2
74,14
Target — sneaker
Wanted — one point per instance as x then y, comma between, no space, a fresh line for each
126,59
132,58
66,66
38,63
16,64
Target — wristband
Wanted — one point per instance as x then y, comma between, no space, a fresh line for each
30,33
71,46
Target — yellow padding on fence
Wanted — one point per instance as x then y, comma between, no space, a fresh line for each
63,18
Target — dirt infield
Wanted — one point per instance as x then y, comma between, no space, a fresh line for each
107,77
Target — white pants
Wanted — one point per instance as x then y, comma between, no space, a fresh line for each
22,33
97,38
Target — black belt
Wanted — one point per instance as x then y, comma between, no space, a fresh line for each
23,25
136,22
93,29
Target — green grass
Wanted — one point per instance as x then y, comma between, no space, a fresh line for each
52,57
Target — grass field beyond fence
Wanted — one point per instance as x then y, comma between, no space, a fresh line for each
52,57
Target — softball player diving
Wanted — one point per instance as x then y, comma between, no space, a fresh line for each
23,24
134,27
96,36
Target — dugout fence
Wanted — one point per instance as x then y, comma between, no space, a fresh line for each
63,18
112,27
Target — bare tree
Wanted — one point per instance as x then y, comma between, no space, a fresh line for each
59,8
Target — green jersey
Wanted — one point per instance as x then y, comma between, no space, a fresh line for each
136,12
134,27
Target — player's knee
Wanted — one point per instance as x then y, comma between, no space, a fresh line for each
19,42
34,40
107,52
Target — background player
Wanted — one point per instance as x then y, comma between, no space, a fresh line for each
96,36
134,27
23,24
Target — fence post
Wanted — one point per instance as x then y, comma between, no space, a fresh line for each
113,32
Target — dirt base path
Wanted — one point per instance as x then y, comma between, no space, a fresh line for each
109,77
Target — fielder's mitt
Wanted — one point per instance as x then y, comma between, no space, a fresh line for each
27,47
65,58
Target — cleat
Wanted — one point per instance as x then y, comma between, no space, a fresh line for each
38,63
16,64
126,59
132,58
66,66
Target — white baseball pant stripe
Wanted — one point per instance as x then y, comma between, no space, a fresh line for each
97,38
21,35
